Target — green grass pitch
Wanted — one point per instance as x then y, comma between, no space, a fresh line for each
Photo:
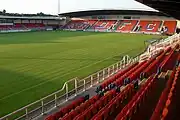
35,64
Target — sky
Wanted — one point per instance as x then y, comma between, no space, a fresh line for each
51,6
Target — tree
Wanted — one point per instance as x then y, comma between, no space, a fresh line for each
4,11
40,14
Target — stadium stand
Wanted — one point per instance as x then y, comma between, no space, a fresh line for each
126,25
164,97
143,103
18,26
131,108
22,26
103,24
4,27
132,93
149,26
144,26
77,24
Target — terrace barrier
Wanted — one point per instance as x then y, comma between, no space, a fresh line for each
155,48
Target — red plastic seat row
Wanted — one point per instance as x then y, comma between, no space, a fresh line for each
153,67
126,25
84,106
131,108
116,104
30,25
96,106
116,76
122,25
172,92
170,60
77,24
5,27
104,24
149,26
170,95
136,74
120,81
166,90
161,109
66,109
78,109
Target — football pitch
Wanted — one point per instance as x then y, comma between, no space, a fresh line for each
35,64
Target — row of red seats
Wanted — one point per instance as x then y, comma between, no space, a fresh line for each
116,76
77,24
164,66
33,25
116,104
21,26
136,74
131,108
131,73
163,98
149,26
104,24
98,102
94,108
88,109
121,81
124,25
172,100
66,109
5,27
68,114
153,67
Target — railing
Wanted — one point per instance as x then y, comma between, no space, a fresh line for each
69,90
161,45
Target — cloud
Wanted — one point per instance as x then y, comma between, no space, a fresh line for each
51,6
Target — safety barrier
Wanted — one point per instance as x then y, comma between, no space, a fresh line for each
161,45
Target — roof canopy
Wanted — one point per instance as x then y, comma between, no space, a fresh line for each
68,6
110,12
170,7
